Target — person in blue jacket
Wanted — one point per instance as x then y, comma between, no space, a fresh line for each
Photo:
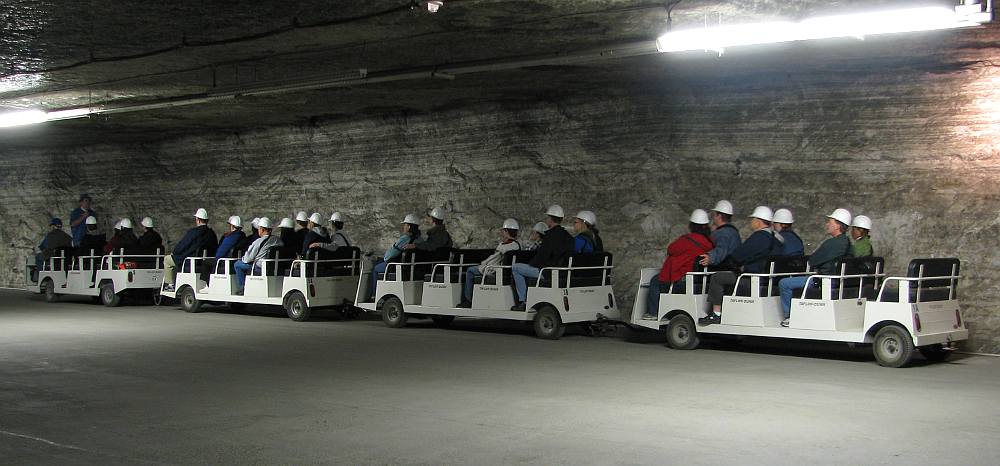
410,228
750,255
228,247
78,219
791,242
587,239
725,236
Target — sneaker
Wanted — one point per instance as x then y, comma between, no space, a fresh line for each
649,317
784,323
203,289
238,293
710,319
168,287
519,307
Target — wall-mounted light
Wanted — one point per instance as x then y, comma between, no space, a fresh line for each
432,6
30,117
859,25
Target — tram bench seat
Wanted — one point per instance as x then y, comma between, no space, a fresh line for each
470,257
580,278
774,265
509,258
333,269
416,264
867,287
930,290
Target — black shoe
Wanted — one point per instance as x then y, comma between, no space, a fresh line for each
710,319
465,303
519,307
168,287
238,293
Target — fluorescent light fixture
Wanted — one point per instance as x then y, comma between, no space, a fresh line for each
858,25
30,117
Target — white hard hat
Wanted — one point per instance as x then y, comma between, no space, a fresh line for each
842,216
410,218
254,222
316,218
511,224
762,212
783,216
336,217
236,221
92,220
126,223
555,210
699,216
118,225
437,213
540,227
286,223
723,207
301,216
201,213
862,221
147,222
264,222
587,216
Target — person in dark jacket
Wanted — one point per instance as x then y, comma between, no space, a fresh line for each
316,234
557,244
198,240
93,241
681,256
791,242
750,255
124,238
54,240
287,234
302,220
228,247
150,241
436,237
823,261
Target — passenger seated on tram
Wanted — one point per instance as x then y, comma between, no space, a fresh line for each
260,249
410,228
860,228
124,238
587,238
338,239
302,220
823,261
725,236
253,231
437,237
791,242
315,234
54,240
286,231
93,241
537,232
508,242
229,245
556,245
681,256
750,255
150,241
197,240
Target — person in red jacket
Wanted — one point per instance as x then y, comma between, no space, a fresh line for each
681,255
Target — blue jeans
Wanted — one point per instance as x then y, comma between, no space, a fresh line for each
241,272
521,272
787,287
470,277
379,268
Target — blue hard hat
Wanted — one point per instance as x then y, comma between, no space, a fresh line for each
55,221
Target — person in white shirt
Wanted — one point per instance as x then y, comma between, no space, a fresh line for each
508,242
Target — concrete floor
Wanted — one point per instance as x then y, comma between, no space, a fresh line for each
84,384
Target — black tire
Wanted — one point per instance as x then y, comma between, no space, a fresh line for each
893,346
443,321
188,300
548,325
108,296
297,308
392,312
682,333
934,353
49,290
157,298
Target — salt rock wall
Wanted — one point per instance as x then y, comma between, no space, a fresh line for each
913,148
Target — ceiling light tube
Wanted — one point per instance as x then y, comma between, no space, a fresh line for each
826,27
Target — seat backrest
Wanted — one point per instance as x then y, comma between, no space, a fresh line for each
340,268
470,256
779,265
416,271
68,252
589,277
934,290
519,257
860,266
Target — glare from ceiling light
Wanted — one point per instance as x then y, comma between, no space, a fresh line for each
19,82
30,117
858,25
